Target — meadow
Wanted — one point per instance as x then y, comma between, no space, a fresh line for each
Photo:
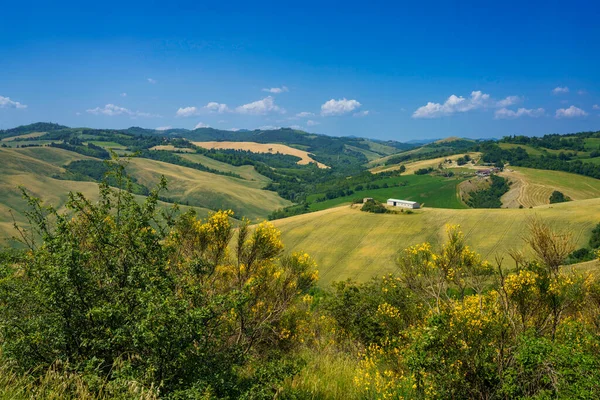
431,191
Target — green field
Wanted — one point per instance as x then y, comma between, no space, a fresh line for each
108,145
592,144
348,243
431,191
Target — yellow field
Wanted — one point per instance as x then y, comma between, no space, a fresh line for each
263,148
411,167
533,187
348,243
210,190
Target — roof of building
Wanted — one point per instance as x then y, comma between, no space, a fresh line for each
403,201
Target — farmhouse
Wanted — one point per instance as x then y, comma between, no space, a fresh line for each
403,203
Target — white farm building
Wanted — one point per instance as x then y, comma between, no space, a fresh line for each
403,203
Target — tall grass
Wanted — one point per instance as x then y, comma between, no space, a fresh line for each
328,374
55,384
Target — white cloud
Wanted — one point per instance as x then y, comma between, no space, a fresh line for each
234,129
276,90
164,128
260,107
305,114
560,90
123,94
570,112
269,127
361,113
186,112
214,107
509,101
152,81
201,125
453,105
596,107
6,102
339,107
113,110
310,122
505,113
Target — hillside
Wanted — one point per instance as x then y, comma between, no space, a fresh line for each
191,187
348,243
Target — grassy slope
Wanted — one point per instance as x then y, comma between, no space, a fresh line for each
208,190
245,171
533,187
433,191
368,153
348,243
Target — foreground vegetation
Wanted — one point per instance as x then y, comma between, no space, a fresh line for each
118,299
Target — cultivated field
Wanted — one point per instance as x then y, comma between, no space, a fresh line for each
533,187
254,147
348,243
411,167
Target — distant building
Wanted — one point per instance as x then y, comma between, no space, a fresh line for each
403,203
482,173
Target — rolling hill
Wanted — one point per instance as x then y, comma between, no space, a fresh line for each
347,243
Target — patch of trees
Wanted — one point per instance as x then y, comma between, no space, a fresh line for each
490,196
558,197
463,160
374,207
587,253
90,149
424,171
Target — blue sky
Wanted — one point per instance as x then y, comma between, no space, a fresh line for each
388,70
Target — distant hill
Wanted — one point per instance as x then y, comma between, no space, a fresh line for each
36,127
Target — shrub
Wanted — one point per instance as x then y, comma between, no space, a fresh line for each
119,283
